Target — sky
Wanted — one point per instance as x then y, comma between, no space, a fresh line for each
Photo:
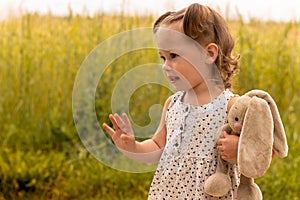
277,10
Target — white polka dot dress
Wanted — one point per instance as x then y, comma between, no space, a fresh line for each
190,154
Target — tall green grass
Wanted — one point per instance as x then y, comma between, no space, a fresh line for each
270,62
41,155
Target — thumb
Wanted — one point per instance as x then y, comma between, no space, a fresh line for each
225,134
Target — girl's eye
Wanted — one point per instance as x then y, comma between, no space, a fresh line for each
163,58
173,55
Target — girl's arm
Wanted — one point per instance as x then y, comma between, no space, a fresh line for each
147,151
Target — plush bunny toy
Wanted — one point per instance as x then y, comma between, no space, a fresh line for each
255,118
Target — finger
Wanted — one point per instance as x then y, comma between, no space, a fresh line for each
224,157
119,121
127,123
125,119
220,150
220,141
225,134
108,129
113,121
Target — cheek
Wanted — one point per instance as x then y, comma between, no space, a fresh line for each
192,75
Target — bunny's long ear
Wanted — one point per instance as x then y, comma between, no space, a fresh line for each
256,139
280,145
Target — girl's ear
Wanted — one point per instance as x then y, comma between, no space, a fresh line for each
256,139
212,51
280,145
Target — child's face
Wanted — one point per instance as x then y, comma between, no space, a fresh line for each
182,74
184,59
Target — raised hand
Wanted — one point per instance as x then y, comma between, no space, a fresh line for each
121,133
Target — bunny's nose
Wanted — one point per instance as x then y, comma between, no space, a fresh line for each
237,127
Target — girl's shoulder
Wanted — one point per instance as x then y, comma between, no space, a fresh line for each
175,97
171,100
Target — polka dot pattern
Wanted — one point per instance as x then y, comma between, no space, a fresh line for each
190,154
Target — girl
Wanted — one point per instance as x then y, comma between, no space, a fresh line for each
195,45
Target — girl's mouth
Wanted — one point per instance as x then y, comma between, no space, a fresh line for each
173,79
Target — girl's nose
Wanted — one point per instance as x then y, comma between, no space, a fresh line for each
166,66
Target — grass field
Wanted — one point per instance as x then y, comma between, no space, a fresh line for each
41,155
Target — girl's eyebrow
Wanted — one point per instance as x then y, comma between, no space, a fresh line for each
163,52
160,53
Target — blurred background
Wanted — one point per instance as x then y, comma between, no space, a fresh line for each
264,10
44,43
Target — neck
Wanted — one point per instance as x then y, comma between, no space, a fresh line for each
201,94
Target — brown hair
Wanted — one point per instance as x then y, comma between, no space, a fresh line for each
205,26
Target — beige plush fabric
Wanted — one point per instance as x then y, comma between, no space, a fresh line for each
261,134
